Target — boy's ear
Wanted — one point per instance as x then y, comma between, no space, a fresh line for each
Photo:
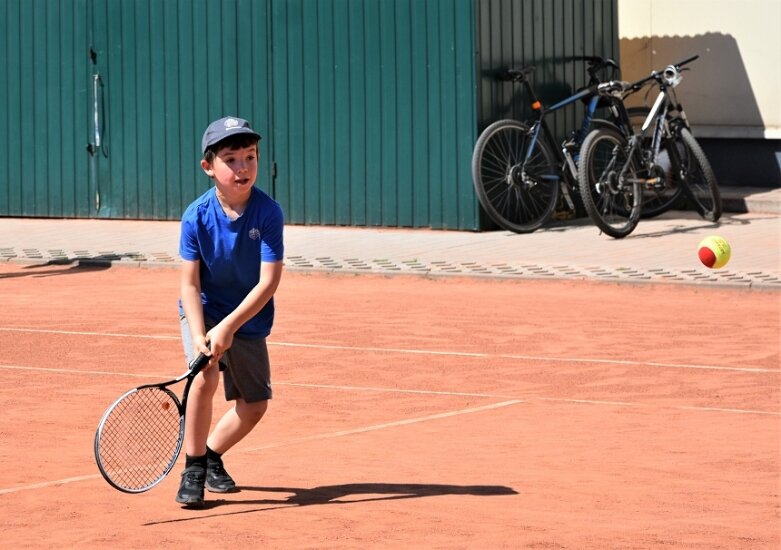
207,168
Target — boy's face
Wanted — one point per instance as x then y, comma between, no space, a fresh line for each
234,171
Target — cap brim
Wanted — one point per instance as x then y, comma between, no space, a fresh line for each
232,133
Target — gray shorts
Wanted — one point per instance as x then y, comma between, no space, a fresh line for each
246,372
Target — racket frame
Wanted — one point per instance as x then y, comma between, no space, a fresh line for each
193,369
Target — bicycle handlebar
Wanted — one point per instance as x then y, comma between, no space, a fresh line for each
657,75
599,63
515,74
607,88
685,61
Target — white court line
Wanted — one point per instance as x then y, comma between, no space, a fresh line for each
169,376
385,425
393,390
653,405
531,357
418,392
96,372
151,376
46,484
425,352
718,409
295,441
86,333
375,427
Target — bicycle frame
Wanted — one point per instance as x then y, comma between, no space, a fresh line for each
518,170
564,157
665,103
658,117
621,167
541,125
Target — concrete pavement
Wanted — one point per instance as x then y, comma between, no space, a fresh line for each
662,249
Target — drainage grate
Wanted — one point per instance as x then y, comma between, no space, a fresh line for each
432,268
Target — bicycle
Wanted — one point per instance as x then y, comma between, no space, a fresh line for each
618,166
518,170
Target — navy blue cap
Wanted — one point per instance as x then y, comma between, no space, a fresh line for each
223,128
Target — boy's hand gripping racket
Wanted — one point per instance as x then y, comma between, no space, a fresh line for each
140,435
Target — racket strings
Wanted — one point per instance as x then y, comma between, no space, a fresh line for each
140,438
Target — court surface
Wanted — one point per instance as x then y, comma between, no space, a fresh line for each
411,412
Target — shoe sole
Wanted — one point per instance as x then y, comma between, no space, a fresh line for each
213,489
195,502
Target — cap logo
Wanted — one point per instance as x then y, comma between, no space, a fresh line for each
231,123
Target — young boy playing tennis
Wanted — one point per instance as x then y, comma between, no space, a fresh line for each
232,250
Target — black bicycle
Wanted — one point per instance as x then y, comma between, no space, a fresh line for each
519,171
620,168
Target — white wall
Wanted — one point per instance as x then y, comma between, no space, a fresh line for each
734,89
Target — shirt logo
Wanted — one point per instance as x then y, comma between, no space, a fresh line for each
254,234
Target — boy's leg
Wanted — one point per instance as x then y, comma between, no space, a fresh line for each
198,417
247,382
231,428
197,423
235,424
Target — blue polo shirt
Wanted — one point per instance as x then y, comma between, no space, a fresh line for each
230,253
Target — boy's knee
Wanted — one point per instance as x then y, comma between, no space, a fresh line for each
251,412
206,383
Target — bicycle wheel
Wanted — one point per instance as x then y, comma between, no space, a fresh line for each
609,186
659,198
699,181
518,193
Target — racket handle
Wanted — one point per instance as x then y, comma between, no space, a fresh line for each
198,364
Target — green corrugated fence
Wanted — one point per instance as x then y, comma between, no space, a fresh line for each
369,109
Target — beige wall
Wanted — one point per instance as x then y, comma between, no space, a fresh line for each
734,88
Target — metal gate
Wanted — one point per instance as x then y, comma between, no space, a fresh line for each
43,109
106,101
372,106
160,71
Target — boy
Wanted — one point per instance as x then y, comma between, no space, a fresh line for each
232,248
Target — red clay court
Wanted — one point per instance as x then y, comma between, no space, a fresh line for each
412,412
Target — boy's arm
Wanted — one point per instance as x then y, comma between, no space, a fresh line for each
221,336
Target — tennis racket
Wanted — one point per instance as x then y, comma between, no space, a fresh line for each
140,435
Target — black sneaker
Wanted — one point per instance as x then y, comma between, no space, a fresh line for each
191,487
217,479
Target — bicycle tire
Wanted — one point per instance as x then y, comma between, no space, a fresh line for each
613,206
658,199
517,196
699,181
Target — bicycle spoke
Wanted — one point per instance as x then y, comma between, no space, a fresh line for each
512,189
606,180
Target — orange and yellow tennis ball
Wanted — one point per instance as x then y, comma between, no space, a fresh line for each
714,252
